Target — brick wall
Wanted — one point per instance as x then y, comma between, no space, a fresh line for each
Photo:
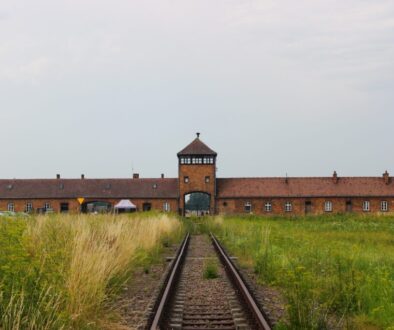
197,174
237,206
74,206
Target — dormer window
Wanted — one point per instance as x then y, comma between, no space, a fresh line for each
155,186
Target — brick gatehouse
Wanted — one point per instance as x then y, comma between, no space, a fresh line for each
197,191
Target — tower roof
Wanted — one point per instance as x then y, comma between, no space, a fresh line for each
197,147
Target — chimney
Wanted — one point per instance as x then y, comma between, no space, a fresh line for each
286,179
386,177
136,176
198,135
335,177
162,175
58,176
82,176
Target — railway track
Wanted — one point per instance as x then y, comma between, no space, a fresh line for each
190,301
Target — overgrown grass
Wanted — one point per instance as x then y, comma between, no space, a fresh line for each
332,270
61,271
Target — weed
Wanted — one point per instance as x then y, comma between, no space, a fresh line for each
210,270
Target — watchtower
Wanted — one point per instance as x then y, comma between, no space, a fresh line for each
197,178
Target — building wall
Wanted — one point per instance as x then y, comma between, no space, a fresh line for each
74,206
237,206
197,174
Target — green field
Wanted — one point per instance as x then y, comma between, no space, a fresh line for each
332,271
60,272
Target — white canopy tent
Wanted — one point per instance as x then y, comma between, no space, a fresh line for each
125,205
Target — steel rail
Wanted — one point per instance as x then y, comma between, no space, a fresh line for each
169,286
240,285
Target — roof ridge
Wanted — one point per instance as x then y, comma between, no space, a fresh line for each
298,177
197,147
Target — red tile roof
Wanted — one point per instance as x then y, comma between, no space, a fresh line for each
197,147
88,188
304,187
168,188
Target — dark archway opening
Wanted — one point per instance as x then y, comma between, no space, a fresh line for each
96,207
197,204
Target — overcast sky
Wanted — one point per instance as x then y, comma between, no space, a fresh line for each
275,87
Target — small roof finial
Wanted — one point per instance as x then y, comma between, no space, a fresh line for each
198,135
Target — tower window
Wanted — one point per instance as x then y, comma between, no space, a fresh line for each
186,179
207,179
366,206
248,207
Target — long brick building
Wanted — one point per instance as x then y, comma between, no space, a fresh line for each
197,190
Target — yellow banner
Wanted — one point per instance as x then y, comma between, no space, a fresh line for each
81,200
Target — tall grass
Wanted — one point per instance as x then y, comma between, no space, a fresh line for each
61,271
333,271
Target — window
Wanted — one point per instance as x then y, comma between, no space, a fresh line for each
207,179
182,160
268,207
47,207
384,206
64,207
328,206
186,179
11,207
366,206
166,207
288,207
248,207
155,186
349,206
224,204
29,207
146,207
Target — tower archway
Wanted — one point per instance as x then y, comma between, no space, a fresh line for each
197,204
